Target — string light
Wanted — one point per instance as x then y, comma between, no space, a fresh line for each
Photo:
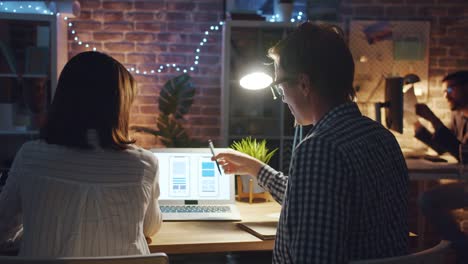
40,8
23,7
297,18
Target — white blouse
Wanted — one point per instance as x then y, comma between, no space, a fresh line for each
74,202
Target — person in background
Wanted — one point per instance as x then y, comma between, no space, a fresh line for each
345,196
84,188
438,203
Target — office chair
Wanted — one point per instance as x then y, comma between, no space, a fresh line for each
155,258
434,255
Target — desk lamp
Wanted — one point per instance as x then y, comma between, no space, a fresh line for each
255,81
411,79
259,80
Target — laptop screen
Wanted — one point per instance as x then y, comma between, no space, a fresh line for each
189,174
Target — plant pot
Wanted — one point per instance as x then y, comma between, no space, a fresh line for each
245,189
245,184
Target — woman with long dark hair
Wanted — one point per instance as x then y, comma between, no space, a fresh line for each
84,188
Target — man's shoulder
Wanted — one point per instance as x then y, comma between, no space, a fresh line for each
317,144
344,131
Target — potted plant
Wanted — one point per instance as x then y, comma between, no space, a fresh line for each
175,100
248,186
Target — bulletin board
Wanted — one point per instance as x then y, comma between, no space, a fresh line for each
389,48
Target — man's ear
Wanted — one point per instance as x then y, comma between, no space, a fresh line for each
304,84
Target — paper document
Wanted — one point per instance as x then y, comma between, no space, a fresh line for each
409,106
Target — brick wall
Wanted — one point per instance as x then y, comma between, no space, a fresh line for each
145,34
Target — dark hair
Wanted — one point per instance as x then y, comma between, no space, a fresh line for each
319,51
460,77
94,91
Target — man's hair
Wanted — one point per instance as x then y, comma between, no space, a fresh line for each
319,51
459,77
94,91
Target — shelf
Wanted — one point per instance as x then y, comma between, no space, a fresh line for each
14,75
35,75
8,75
37,45
255,118
236,137
262,24
254,136
19,132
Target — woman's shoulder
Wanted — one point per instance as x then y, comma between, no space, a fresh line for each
143,154
29,149
34,144
42,147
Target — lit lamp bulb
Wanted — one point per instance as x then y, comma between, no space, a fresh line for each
256,81
410,80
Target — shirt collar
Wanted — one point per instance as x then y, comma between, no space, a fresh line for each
338,112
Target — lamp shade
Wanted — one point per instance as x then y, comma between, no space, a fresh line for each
255,81
410,79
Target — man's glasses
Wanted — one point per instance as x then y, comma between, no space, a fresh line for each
276,87
449,90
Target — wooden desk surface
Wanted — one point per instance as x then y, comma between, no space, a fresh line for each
215,236
225,236
420,169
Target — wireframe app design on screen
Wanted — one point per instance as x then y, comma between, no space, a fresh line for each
191,176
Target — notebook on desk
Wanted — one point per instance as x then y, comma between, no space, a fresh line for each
192,188
263,230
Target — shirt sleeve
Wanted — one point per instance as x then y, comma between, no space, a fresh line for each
153,217
10,202
446,138
318,204
453,123
274,182
443,140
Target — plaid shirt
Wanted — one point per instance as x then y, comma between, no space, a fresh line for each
346,197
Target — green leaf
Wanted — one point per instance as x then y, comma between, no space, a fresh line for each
254,148
173,135
175,100
171,132
176,97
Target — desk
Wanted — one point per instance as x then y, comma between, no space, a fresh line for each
423,170
420,169
215,236
223,236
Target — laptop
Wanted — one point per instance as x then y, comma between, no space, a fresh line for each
192,188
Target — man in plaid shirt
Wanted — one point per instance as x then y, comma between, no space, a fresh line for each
346,194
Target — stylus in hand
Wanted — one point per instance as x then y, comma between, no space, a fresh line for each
210,144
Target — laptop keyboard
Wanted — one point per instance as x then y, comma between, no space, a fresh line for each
195,209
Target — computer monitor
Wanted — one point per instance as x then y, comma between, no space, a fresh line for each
394,96
393,104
